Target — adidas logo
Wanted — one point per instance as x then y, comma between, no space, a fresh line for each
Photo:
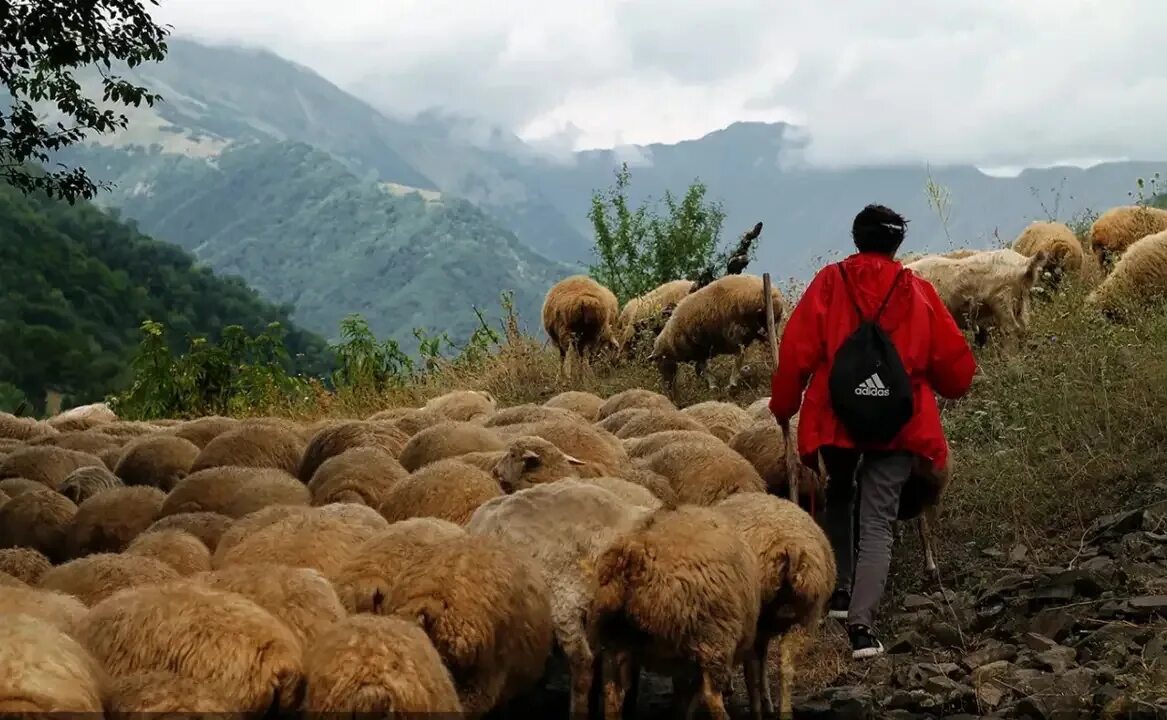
873,386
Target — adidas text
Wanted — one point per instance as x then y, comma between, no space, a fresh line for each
873,386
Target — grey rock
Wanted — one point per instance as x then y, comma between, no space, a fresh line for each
836,703
1116,524
946,634
1019,552
918,602
990,671
906,643
1057,660
1054,624
991,652
1148,605
1038,642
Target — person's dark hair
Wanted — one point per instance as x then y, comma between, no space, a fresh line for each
878,229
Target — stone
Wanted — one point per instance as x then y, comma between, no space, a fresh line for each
946,634
1057,660
1038,642
990,696
1019,552
1116,524
917,602
906,643
942,685
836,703
1054,624
990,671
1148,605
991,652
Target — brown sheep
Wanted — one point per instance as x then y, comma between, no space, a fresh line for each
38,519
43,670
213,489
94,443
85,482
797,574
208,527
585,404
533,461
482,460
463,405
159,461
630,492
111,457
447,489
177,548
520,414
617,420
364,581
203,430
390,415
259,445
362,475
336,438
61,610
760,409
1064,253
307,538
23,428
417,420
446,440
45,464
487,611
703,474
24,564
131,429
722,318
682,586
366,664
160,694
586,442
18,486
720,418
93,578
634,398
1137,281
109,520
271,487
223,640
580,315
7,580
654,421
644,446
763,445
299,597
651,309
1120,227
239,529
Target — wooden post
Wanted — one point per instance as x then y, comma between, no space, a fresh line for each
792,462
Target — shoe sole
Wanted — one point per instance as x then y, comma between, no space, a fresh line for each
867,653
837,614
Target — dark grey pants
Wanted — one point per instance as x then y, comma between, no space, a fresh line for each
879,479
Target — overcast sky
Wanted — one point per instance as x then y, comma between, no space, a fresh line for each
992,82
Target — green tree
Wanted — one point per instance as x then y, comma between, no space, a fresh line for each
42,43
639,249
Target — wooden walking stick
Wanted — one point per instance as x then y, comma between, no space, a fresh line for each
792,469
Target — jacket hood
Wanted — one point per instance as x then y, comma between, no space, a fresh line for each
870,275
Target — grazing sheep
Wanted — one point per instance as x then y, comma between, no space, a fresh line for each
586,442
1138,279
109,520
585,404
272,487
703,474
24,563
655,483
390,414
177,548
93,578
38,519
582,315
18,486
23,428
920,501
640,312
85,482
482,460
162,693
7,580
336,438
634,398
463,405
366,664
682,586
522,414
447,489
111,457
43,670
533,461
159,461
364,581
83,417
307,538
60,610
94,443
131,429
246,525
722,318
617,420
644,446
562,528
630,492
446,440
796,570
203,430
222,640
763,445
485,608
720,418
1064,254
362,475
45,464
1120,227
208,527
760,409
654,421
253,444
417,420
987,290
299,597
213,489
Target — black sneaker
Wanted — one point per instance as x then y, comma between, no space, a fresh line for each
838,604
864,644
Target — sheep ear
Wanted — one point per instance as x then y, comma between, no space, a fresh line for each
531,459
1036,263
573,460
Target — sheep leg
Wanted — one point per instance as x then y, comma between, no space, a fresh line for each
738,361
924,523
711,694
582,669
617,674
633,694
787,645
759,655
753,673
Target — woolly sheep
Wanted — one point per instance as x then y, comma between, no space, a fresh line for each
363,582
1139,278
585,404
463,405
23,428
109,520
242,527
61,610
307,538
796,571
390,414
582,315
258,445
586,442
487,611
45,464
208,527
447,489
654,482
702,474
274,487
644,446
562,528
131,429
43,670
1115,230
83,417
203,430
355,514
634,398
110,457
532,461
220,639
681,585
162,693
94,443
639,312
520,414
920,501
760,409
653,421
722,318
299,597
617,420
24,563
363,474
720,418
446,440
85,482
18,486
7,580
336,438
417,420
177,548
4,498
93,578
1064,254
39,519
366,664
213,489
763,445
629,492
485,460
158,461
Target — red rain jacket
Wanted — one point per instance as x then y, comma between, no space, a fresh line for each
935,354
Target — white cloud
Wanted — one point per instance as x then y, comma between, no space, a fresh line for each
999,83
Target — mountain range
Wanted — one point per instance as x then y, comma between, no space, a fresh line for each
261,167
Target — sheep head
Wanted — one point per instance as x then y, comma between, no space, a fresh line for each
533,461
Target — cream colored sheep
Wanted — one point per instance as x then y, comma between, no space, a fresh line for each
634,398
24,564
446,440
797,575
644,446
763,445
1064,253
720,418
649,312
485,461
45,464
533,461
92,442
703,474
580,315
131,429
680,587
1138,280
23,428
93,578
654,421
219,639
159,461
586,442
177,548
7,580
83,417
722,318
253,444
584,404
161,693
336,438
39,519
61,610
627,491
208,527
364,475
203,430
109,520
447,489
417,420
463,405
562,528
390,415
1120,227
920,501
486,609
85,482
43,670
271,487
366,664
213,489
520,414
617,420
